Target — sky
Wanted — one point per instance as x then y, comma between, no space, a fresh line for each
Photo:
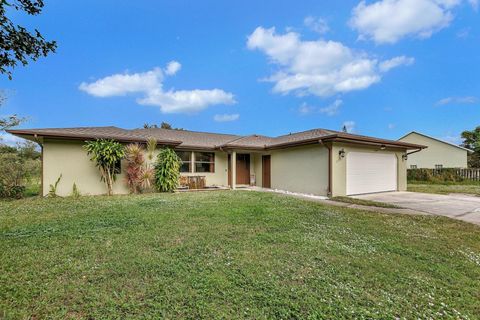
381,68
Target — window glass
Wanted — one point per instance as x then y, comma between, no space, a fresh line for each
186,157
204,162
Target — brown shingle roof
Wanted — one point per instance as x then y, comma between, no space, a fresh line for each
204,140
86,133
189,139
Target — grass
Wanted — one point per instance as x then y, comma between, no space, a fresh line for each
468,187
227,255
363,202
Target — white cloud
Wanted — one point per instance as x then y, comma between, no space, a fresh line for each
457,100
150,85
454,139
318,25
321,68
329,110
305,109
463,33
186,101
122,84
9,139
332,109
349,125
474,4
388,21
226,117
395,62
391,126
172,68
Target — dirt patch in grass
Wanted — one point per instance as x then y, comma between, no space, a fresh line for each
364,202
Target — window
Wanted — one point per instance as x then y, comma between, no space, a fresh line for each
204,162
413,166
438,166
186,157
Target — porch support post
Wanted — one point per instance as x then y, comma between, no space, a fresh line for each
234,170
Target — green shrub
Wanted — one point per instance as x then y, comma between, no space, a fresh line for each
434,175
12,192
107,155
167,170
13,174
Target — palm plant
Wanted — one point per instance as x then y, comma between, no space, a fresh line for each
106,154
135,164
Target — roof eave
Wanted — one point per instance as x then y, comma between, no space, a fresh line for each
374,142
22,133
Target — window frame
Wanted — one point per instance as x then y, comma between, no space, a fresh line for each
211,162
189,162
439,166
413,166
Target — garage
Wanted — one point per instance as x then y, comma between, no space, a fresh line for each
370,172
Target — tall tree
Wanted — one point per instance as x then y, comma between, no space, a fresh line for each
17,44
471,140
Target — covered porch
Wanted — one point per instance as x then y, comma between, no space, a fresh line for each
247,168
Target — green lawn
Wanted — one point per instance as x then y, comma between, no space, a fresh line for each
445,188
229,255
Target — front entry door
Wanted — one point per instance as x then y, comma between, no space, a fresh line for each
243,168
266,181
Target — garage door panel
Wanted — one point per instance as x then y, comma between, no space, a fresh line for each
371,172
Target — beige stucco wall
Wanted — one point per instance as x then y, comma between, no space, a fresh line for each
257,168
437,153
69,159
300,169
339,167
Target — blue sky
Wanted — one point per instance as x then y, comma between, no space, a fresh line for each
383,67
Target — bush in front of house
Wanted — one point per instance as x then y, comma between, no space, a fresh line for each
11,192
13,174
167,170
434,175
106,154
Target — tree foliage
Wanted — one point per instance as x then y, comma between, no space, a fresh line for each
471,140
10,121
13,174
17,44
163,125
107,155
167,170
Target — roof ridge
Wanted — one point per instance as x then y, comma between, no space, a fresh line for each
291,133
440,140
184,130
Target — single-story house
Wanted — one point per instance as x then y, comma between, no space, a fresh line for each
439,154
320,162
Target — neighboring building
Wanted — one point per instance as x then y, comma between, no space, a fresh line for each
318,161
439,154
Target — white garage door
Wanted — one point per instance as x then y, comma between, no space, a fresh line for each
371,172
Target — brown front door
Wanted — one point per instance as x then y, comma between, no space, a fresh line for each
266,181
243,168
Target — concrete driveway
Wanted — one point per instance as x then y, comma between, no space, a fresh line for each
456,206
